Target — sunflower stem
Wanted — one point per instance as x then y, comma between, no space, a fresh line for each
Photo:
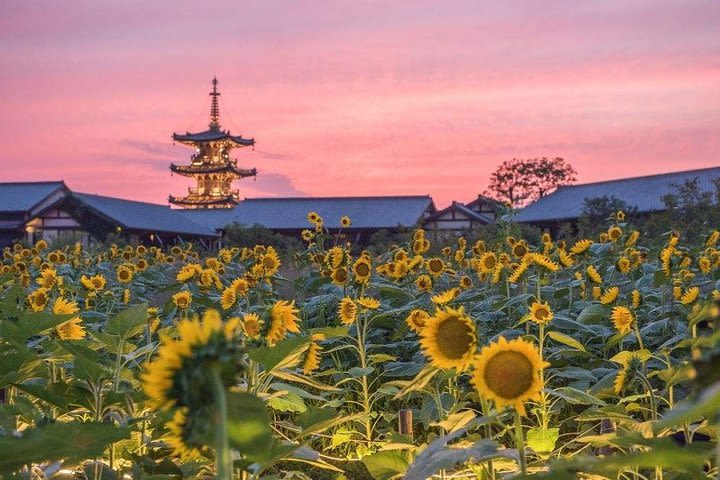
520,442
488,433
361,328
543,400
637,334
223,458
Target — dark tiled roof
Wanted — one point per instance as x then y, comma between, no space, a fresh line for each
291,213
644,193
11,224
480,217
483,199
148,217
23,196
473,215
212,135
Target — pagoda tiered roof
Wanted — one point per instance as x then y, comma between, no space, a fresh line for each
212,135
225,201
193,169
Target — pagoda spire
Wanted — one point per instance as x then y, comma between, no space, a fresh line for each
211,165
214,108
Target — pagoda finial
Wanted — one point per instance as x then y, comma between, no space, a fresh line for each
214,109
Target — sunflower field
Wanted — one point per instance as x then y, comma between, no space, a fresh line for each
592,359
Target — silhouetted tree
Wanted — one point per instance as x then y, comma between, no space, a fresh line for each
521,181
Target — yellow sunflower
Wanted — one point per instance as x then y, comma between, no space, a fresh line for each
339,276
252,325
519,271
312,357
465,282
614,233
581,246
435,266
623,319
630,366
623,264
70,330
496,273
416,320
690,295
368,302
541,313
85,282
445,297
171,380
270,262
421,245
478,247
208,277
307,235
632,238
593,274
345,221
38,299
712,239
347,311
519,249
153,318
314,218
704,264
283,319
48,278
488,261
424,283
175,437
124,273
362,270
544,261
448,338
182,299
97,282
609,295
228,298
187,272
508,373
240,286
567,259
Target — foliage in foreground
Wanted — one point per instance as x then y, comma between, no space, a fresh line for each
596,359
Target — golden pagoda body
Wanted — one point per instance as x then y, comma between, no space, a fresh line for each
211,165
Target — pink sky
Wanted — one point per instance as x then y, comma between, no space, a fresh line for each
357,98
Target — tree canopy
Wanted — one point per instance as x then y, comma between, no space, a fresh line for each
518,182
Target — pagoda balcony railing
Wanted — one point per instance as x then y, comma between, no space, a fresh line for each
200,159
193,191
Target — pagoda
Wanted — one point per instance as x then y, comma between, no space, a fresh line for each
211,165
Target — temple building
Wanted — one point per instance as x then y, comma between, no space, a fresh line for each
211,165
50,211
